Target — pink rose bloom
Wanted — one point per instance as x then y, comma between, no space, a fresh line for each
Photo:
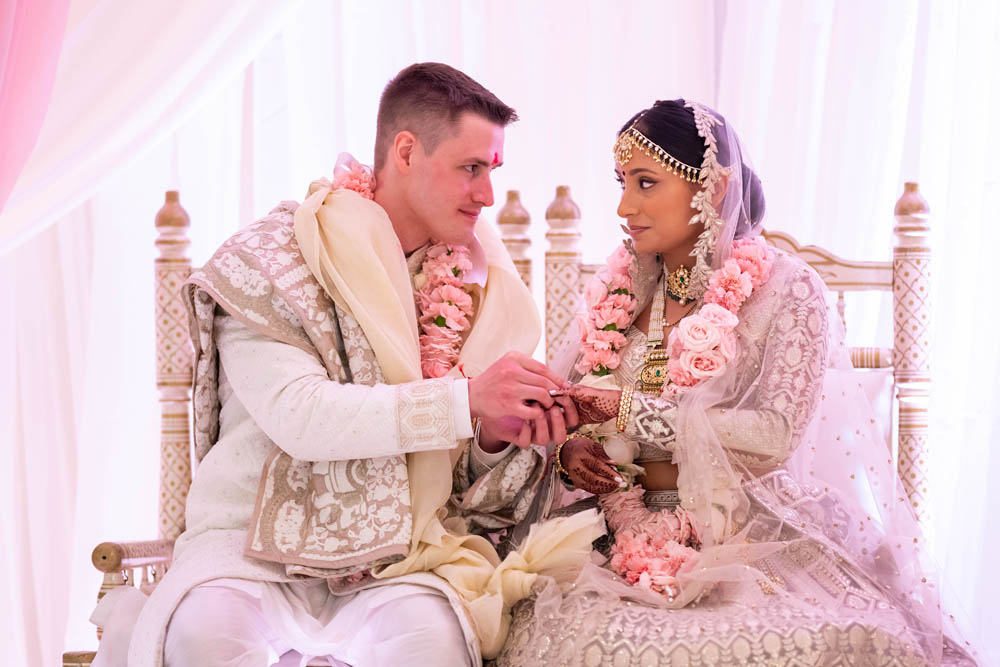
606,340
729,346
697,334
678,374
674,344
729,286
702,365
606,314
719,316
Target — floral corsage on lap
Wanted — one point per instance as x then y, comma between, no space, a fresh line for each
652,549
443,299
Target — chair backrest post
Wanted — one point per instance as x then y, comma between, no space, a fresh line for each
911,259
562,268
514,221
173,364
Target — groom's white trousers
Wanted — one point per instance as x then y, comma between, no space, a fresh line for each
238,623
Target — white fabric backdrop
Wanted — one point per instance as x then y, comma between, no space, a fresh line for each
838,103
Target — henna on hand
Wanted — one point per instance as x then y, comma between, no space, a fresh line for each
589,467
595,406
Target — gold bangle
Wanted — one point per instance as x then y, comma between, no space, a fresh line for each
559,465
624,407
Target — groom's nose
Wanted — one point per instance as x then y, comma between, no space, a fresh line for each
482,192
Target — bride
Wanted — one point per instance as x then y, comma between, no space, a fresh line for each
755,512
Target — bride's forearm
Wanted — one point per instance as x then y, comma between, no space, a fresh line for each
651,421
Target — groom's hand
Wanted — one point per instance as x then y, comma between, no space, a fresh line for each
552,426
515,386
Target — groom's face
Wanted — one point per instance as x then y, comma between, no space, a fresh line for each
451,185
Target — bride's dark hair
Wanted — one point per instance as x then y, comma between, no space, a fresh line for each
670,125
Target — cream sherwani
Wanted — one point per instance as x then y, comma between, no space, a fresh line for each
276,397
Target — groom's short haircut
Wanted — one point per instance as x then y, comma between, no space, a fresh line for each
427,99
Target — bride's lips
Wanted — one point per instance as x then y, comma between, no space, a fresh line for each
635,231
471,215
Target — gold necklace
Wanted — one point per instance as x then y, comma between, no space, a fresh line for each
653,373
678,283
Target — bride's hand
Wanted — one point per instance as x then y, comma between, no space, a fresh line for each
589,467
595,406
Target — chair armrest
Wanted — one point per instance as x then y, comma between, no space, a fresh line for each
118,556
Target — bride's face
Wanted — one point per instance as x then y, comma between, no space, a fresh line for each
657,207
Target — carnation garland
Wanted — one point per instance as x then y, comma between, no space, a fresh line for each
444,303
701,345
651,548
445,308
611,305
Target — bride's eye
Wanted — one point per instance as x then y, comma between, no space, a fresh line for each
646,183
621,181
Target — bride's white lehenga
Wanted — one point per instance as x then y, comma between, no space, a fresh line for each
809,551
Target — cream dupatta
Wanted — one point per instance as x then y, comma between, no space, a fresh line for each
350,246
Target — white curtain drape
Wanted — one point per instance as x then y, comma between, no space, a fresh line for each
837,102
129,73
31,36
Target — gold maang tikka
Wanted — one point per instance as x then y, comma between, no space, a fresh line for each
632,139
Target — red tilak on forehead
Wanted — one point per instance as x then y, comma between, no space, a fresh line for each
496,158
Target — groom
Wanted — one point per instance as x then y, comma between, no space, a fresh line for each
338,490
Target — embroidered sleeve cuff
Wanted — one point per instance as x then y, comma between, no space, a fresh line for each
460,409
424,415
651,423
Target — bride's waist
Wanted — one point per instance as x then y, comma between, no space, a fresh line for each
659,475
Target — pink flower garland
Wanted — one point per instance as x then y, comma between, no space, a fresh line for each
650,548
611,307
349,174
703,344
445,308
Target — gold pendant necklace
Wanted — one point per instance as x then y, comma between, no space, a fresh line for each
653,374
678,282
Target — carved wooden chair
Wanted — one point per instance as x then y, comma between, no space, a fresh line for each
142,564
